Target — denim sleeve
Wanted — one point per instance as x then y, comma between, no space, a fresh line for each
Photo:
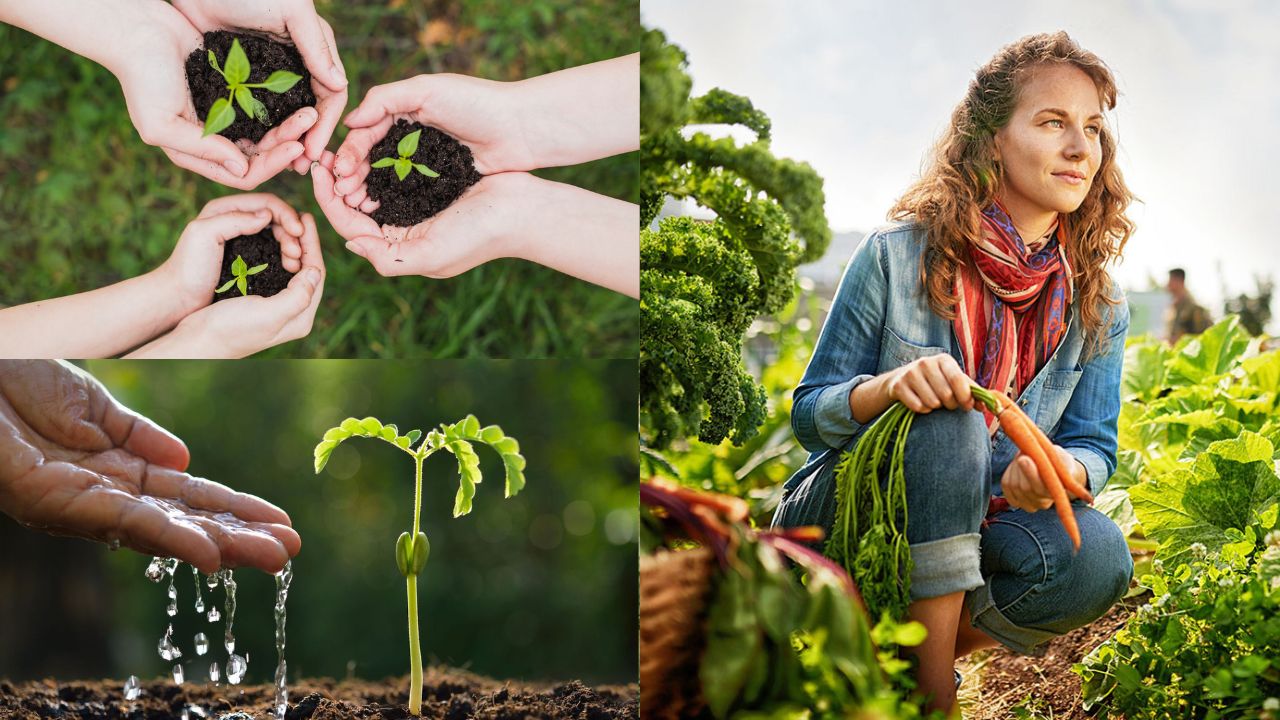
1088,426
847,353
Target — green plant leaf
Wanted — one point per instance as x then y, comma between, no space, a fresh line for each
507,446
322,452
221,115
244,98
425,170
468,475
279,81
413,435
408,144
242,284
492,434
470,427
336,434
387,433
384,162
394,429
402,442
402,168
226,286
256,269
404,553
421,551
213,61
237,67
238,266
352,426
1212,353
371,426
514,465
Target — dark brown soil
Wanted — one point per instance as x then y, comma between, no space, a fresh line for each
404,203
265,57
256,249
447,695
1005,678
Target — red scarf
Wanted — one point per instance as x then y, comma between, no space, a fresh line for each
1011,309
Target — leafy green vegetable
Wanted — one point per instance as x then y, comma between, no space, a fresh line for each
240,272
404,164
236,73
413,548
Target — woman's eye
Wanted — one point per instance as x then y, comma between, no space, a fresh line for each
1054,123
1094,129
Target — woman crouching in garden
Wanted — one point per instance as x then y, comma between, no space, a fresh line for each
996,271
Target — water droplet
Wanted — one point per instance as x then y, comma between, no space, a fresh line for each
229,640
283,579
195,574
196,710
170,566
229,643
155,570
172,609
214,674
214,615
236,667
202,644
132,688
211,581
178,675
166,648
185,715
173,592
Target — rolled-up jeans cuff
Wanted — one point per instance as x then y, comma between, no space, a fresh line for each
985,616
945,566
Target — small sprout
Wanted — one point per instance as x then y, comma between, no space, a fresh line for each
236,72
412,547
241,272
407,146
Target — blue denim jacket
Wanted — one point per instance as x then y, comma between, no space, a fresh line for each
880,320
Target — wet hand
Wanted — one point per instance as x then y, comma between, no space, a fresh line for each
73,461
191,273
929,383
288,21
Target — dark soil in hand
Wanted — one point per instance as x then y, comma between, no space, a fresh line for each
256,249
404,203
447,695
999,680
265,57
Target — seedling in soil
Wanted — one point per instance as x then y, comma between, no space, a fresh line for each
241,272
236,72
404,164
412,548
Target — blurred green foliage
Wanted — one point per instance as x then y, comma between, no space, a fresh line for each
84,203
541,586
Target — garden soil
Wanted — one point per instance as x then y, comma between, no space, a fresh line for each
447,695
405,203
265,57
261,247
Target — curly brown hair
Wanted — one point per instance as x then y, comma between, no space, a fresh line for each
963,177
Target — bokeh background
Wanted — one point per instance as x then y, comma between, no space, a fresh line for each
84,203
541,586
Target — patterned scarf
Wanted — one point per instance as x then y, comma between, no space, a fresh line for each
1012,308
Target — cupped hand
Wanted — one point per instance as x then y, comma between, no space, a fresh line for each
483,225
929,383
1022,486
289,21
153,77
73,461
193,269
244,325
480,114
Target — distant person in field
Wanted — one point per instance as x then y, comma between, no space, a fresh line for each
1185,316
995,274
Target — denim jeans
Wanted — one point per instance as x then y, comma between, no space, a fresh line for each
1021,582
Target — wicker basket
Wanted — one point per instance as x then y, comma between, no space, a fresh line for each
675,589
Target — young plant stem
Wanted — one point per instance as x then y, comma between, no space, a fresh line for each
415,648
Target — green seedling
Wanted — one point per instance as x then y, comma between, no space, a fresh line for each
412,547
236,72
407,146
240,272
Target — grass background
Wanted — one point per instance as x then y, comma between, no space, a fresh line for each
85,203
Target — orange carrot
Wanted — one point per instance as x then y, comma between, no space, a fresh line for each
1023,432
1064,470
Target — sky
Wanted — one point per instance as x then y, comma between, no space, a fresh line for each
861,89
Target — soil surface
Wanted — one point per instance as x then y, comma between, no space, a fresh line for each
265,57
256,249
998,680
404,203
447,695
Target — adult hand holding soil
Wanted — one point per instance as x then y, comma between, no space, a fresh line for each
922,385
580,233
294,21
144,43
73,461
242,326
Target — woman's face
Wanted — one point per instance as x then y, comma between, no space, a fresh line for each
1051,147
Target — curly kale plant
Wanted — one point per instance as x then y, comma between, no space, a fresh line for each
703,282
412,548
236,72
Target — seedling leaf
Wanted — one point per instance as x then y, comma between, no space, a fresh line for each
322,452
468,475
242,284
256,269
507,446
402,442
336,434
371,426
491,434
425,170
408,144
402,168
413,435
514,465
421,551
238,266
394,429
226,286
404,553
244,98
280,81
384,162
213,60
387,433
237,68
221,115
470,427
352,426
